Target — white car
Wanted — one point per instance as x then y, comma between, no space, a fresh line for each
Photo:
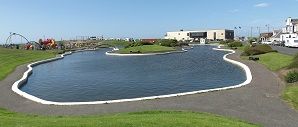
267,42
254,43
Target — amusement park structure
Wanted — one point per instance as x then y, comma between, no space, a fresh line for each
8,40
40,45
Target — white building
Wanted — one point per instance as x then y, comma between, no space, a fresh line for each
290,33
220,35
201,36
187,35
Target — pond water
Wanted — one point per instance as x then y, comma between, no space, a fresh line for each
94,76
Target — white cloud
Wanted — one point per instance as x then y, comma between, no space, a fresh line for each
262,5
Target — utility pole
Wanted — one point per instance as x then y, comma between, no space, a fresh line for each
268,27
259,28
251,28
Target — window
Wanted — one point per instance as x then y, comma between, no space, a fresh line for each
221,33
290,36
178,33
188,34
296,41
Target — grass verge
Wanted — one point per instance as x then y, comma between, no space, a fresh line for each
140,119
274,61
290,94
146,49
11,58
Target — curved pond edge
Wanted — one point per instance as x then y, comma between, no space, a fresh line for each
20,82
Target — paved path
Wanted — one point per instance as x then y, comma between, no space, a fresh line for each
285,50
257,102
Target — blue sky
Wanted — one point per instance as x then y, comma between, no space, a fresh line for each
137,18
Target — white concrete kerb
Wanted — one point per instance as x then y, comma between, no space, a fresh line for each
17,84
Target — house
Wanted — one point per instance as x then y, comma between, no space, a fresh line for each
276,35
290,33
264,37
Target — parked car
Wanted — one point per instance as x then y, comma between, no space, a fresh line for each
267,42
282,44
276,43
254,42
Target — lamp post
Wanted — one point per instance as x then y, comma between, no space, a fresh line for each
236,28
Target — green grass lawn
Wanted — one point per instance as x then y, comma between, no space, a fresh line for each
146,49
140,119
11,58
274,61
290,94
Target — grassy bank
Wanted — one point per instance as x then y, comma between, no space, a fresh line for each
141,119
146,49
275,61
290,95
11,58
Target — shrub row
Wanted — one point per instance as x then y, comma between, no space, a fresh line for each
226,42
235,44
292,77
168,42
257,50
231,43
135,44
163,42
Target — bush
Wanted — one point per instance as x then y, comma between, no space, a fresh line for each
294,64
257,50
226,42
292,77
235,44
168,43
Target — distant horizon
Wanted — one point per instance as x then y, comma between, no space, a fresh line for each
138,18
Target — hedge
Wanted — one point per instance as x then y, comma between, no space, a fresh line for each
257,50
